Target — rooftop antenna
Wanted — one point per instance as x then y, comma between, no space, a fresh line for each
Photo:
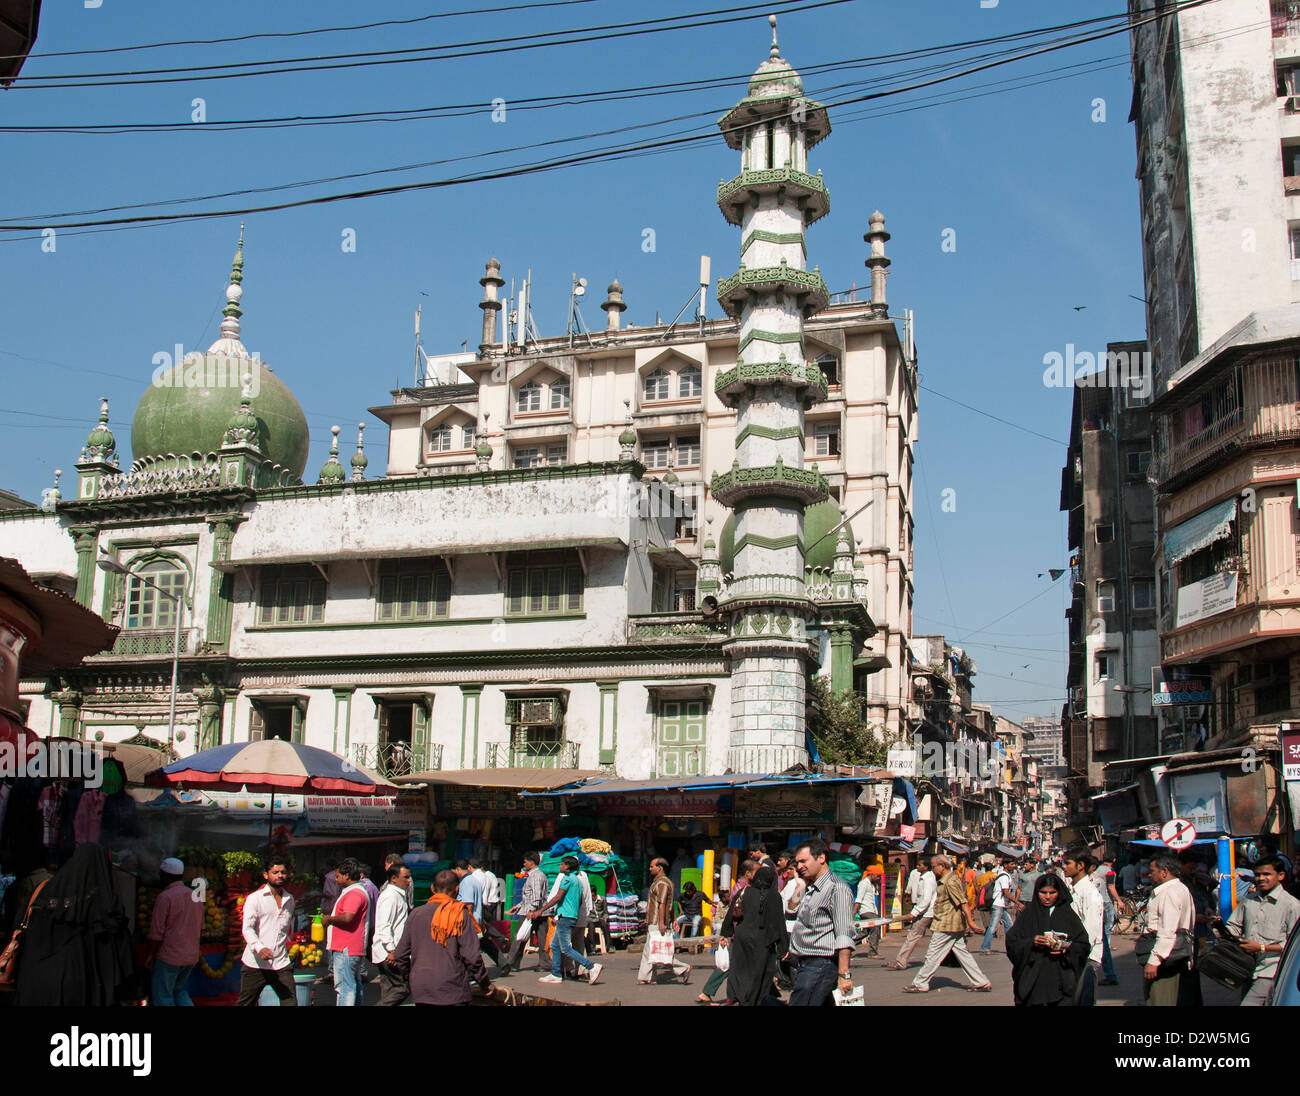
697,295
418,348
576,322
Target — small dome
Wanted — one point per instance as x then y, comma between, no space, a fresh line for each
775,78
100,443
818,520
628,437
332,471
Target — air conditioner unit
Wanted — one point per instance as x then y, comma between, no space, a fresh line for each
540,711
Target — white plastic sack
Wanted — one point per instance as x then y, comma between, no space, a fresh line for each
855,998
722,958
660,947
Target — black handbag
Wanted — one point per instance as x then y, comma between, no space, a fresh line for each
1225,961
1179,953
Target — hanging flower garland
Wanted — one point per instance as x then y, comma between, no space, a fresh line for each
227,965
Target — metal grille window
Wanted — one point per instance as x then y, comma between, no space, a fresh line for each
416,590
291,595
656,386
560,395
542,587
529,398
145,606
688,384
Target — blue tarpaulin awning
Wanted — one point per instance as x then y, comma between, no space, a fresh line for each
1200,531
1007,850
615,786
953,846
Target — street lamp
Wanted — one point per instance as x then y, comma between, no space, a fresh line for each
110,565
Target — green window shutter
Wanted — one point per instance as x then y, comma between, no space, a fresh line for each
405,596
284,602
441,594
515,582
316,612
423,596
554,589
536,589
574,577
388,598
420,727
296,721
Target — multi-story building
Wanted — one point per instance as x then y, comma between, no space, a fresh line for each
1218,150
1112,616
1043,739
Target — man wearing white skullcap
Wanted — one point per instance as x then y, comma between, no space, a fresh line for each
173,936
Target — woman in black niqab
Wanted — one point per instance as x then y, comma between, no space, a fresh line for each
1041,975
77,949
758,938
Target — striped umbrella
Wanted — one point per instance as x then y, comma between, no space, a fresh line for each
272,765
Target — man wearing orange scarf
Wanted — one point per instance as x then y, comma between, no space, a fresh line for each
439,948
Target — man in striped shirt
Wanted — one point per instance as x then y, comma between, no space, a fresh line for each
822,939
530,900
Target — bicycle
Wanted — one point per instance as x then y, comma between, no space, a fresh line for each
1132,914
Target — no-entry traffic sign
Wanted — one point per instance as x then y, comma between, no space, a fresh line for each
1178,833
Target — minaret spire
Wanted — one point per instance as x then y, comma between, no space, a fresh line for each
229,343
776,49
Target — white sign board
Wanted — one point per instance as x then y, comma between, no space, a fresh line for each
1178,833
902,761
1209,597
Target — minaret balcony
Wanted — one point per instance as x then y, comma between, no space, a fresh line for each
805,484
758,110
743,377
807,286
807,192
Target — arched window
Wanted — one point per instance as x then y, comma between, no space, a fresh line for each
560,395
656,385
440,438
529,397
147,607
688,383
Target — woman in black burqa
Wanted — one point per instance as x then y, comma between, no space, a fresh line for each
755,924
1043,972
77,949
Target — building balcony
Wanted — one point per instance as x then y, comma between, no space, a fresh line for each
1251,405
1254,621
151,644
536,755
674,627
1285,18
390,759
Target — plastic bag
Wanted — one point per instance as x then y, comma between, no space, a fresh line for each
855,998
660,947
722,958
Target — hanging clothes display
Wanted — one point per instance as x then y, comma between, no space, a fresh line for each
89,817
50,806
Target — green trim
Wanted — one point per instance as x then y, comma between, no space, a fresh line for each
438,623
545,616
149,542
775,238
469,693
24,513
770,336
802,283
773,479
772,543
343,700
730,190
772,434
462,479
606,754
515,659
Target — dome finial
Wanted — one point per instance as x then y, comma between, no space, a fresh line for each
359,458
229,343
332,471
100,443
776,49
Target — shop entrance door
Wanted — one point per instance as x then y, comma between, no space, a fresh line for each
682,725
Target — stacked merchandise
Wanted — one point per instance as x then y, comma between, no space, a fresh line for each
624,916
424,866
842,859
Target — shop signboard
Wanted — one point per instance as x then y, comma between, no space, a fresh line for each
781,806
662,804
1177,686
254,804
1199,798
1290,735
1209,597
460,800
415,840
365,814
902,761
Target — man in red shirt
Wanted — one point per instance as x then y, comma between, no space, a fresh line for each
346,939
173,936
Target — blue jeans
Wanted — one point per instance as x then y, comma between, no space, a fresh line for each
995,915
347,978
1107,960
562,947
694,923
168,986
814,981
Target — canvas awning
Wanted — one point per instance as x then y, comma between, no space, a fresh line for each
518,778
953,846
1200,531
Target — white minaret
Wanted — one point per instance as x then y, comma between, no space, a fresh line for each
773,200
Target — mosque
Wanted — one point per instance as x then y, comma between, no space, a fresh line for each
624,552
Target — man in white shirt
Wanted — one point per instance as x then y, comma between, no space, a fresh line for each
1171,911
1004,892
268,920
864,906
922,913
1087,903
391,912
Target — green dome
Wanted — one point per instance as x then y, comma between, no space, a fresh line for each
818,520
175,418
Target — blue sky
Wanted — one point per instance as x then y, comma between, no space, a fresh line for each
1040,196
